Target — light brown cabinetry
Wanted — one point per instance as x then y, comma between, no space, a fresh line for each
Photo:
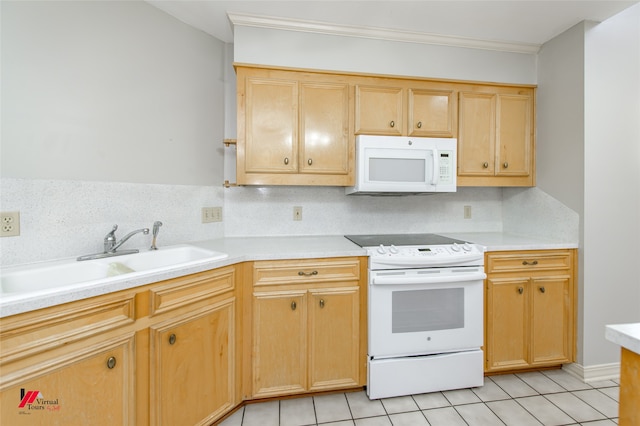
308,328
495,137
192,349
411,108
294,128
71,365
161,354
530,309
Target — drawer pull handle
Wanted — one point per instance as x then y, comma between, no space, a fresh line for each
542,290
525,262
309,161
485,165
111,363
307,274
520,290
286,160
392,123
172,339
321,303
419,125
294,305
505,165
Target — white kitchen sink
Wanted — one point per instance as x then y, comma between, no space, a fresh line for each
55,274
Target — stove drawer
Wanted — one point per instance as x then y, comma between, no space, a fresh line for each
532,260
305,271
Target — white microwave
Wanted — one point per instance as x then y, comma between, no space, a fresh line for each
397,165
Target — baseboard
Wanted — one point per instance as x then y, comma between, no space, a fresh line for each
593,373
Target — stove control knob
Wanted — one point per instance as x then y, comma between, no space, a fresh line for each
455,247
381,249
466,247
393,249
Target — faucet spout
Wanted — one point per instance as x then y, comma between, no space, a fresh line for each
126,237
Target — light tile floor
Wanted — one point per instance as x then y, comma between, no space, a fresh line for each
549,398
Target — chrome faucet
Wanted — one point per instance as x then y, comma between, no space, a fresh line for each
156,228
111,245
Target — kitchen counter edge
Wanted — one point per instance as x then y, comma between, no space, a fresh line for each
246,249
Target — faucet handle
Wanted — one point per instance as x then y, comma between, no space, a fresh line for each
112,234
110,239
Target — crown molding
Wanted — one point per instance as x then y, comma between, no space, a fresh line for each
288,24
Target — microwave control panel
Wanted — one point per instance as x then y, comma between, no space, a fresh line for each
447,168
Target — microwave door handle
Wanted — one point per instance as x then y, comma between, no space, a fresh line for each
435,175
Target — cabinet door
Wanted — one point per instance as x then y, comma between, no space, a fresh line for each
271,133
91,386
513,139
507,330
430,113
476,135
279,346
551,320
324,128
334,337
192,366
379,110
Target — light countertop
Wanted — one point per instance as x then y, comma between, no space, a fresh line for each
242,249
625,335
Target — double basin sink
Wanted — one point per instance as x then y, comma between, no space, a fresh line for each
56,274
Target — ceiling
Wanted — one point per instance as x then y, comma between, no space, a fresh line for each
515,21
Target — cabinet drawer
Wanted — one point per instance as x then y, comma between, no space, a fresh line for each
306,271
182,291
34,332
535,260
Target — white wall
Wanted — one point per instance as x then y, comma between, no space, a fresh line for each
612,181
112,113
109,91
589,159
269,46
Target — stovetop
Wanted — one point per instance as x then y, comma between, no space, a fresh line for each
401,240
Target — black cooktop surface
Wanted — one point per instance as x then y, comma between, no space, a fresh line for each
401,240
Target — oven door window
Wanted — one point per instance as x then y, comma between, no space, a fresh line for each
427,310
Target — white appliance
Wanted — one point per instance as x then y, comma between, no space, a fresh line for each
396,165
425,310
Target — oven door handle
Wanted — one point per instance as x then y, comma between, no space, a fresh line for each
396,280
425,261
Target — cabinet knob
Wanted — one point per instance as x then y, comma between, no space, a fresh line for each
520,290
294,305
321,303
172,339
485,165
111,362
286,160
542,290
309,161
525,262
392,123
505,165
419,125
307,274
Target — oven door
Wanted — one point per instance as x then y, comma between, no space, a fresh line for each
425,311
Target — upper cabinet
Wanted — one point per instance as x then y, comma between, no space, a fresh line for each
496,137
413,108
293,129
299,127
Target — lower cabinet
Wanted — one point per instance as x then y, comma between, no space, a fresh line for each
87,385
192,366
530,309
307,327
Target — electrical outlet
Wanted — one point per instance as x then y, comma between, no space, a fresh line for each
10,224
211,214
297,212
467,212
